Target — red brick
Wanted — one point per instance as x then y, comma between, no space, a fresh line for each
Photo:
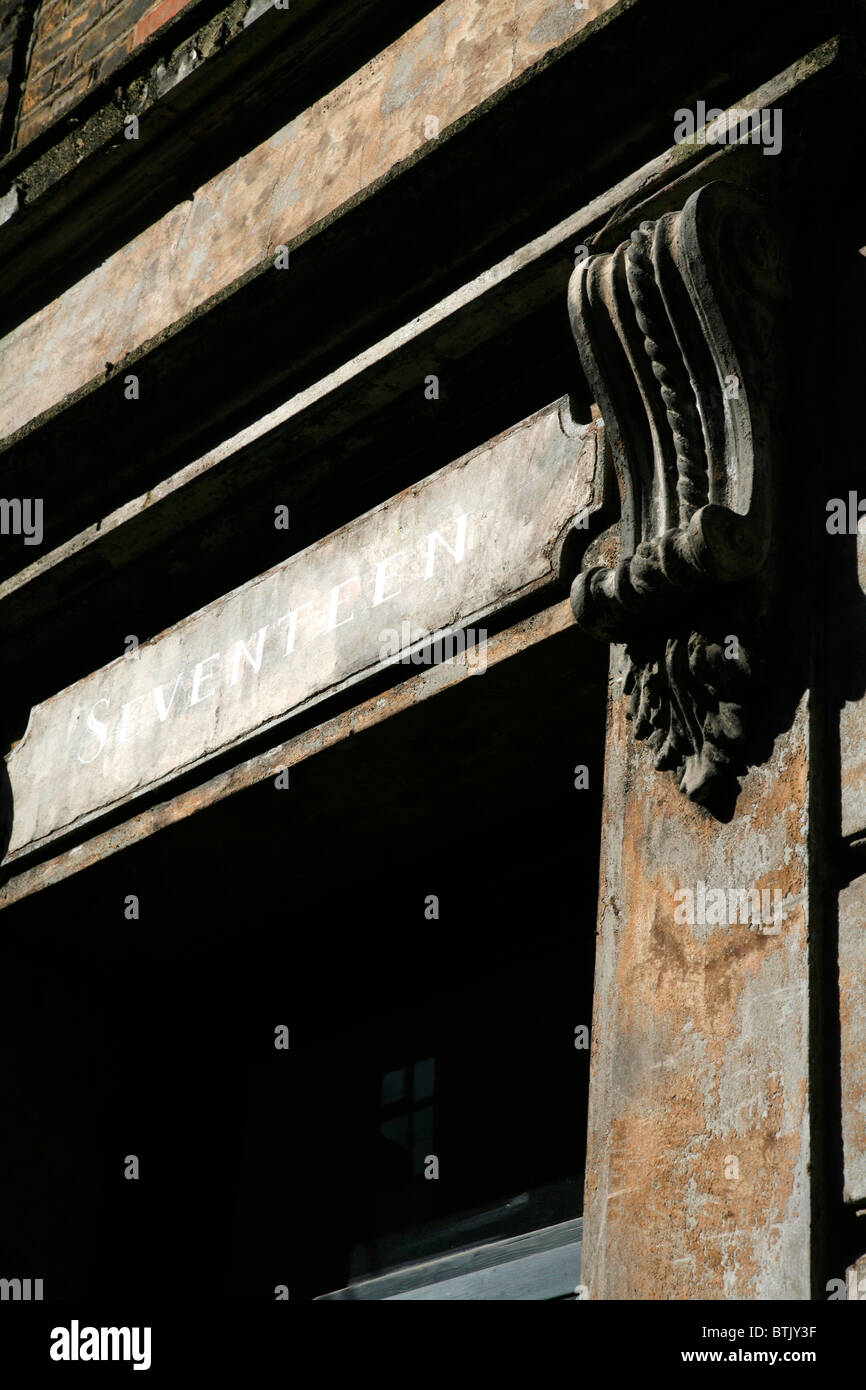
61,100
37,89
105,34
164,11
51,17
47,51
79,20
107,62
36,118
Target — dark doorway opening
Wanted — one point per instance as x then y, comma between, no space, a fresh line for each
418,910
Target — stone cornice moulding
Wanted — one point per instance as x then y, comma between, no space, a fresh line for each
680,334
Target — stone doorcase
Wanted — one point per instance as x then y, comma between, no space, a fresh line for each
333,335
698,1167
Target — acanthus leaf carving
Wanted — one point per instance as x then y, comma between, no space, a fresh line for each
680,334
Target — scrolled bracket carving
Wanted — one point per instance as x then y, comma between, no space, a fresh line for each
680,333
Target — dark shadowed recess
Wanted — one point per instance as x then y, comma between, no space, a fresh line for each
410,1035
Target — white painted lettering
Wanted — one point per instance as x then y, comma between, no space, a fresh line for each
292,620
379,595
97,727
198,676
241,655
162,708
335,602
122,735
459,546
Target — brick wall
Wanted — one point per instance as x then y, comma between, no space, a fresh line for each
77,43
14,20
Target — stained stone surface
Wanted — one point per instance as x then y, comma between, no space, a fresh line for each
447,552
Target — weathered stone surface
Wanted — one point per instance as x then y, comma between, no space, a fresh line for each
449,551
852,723
674,330
429,682
700,1039
440,69
852,1023
852,896
855,1281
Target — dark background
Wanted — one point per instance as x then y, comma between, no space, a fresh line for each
306,907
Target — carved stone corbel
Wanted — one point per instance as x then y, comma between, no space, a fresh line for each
680,336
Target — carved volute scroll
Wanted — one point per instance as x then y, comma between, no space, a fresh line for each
680,335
